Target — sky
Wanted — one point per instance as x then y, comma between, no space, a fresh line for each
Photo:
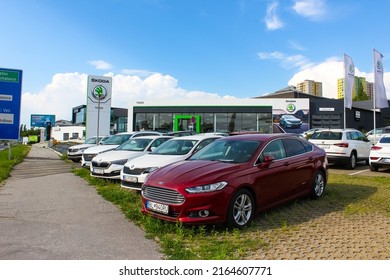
169,49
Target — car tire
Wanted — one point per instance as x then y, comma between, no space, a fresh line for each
352,161
241,209
374,168
318,186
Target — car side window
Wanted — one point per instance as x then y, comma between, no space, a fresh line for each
274,149
204,143
294,147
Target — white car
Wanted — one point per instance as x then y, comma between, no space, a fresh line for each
380,154
75,152
346,146
374,135
110,144
134,171
109,164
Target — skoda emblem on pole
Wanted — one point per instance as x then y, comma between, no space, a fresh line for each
99,92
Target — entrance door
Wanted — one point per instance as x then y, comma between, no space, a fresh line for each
187,122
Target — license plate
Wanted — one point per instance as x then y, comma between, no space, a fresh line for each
324,146
130,179
98,171
158,207
387,160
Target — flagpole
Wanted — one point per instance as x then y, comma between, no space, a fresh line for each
345,109
373,97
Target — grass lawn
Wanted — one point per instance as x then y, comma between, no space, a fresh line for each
18,152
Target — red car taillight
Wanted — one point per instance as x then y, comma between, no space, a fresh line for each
341,145
375,148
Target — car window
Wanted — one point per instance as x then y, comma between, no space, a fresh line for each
238,151
274,149
118,139
204,143
384,140
175,147
294,147
134,144
158,142
386,130
327,135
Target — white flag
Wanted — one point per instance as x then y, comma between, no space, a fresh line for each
349,78
379,90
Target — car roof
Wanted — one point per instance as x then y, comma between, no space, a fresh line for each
261,136
151,137
337,129
197,137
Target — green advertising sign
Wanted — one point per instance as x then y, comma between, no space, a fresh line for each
9,76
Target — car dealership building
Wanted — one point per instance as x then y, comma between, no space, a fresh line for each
252,114
259,114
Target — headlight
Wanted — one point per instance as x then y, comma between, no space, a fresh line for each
150,169
119,162
207,188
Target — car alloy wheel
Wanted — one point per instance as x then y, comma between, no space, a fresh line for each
352,161
241,209
318,185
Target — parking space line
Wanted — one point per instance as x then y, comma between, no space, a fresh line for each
361,171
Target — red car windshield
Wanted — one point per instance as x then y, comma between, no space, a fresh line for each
228,151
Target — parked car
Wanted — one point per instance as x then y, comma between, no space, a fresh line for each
181,133
75,152
345,146
110,144
109,164
135,171
309,133
374,134
380,154
289,121
235,177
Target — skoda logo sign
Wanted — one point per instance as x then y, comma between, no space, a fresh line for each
379,65
351,69
290,107
99,92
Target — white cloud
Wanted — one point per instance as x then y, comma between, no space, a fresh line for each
101,64
68,90
312,9
272,20
287,61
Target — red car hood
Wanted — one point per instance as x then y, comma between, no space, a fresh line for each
192,173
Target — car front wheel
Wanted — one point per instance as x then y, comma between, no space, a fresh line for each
241,209
318,186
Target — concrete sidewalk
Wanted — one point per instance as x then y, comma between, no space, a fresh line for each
47,212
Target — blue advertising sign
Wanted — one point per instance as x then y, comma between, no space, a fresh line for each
43,120
10,101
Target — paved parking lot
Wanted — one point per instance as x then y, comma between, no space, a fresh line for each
361,169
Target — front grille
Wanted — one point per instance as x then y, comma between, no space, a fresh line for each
89,157
162,195
135,171
100,164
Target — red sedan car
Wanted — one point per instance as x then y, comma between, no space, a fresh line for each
233,178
